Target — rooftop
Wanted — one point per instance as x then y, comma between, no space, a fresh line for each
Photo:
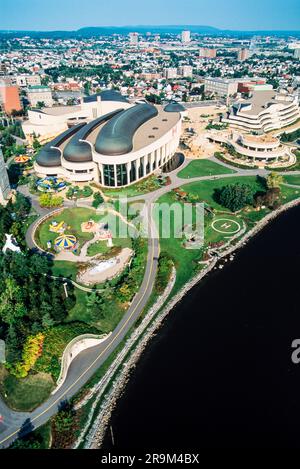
261,100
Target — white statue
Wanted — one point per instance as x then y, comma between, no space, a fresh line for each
10,244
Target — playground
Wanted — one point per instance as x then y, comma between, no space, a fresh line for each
83,237
50,184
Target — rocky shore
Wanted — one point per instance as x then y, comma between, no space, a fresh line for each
96,433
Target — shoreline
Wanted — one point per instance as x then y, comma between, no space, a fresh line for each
97,432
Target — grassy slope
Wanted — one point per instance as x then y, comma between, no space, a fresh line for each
184,259
27,393
292,179
198,168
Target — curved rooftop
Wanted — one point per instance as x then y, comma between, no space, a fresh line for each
174,107
106,95
116,137
50,154
79,151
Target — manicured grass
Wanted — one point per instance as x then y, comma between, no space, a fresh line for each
204,190
292,179
100,247
148,184
198,168
73,217
289,193
213,236
184,259
64,269
27,393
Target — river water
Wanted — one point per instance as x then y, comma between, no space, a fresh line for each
219,372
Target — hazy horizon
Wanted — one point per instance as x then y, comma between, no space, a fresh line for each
71,15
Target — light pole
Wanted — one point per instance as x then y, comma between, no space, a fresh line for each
65,288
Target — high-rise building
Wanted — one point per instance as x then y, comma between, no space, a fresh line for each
9,97
297,53
185,71
243,54
133,38
220,86
4,181
39,94
170,72
185,36
205,52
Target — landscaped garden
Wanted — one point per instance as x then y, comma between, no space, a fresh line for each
72,218
149,184
292,179
199,168
251,195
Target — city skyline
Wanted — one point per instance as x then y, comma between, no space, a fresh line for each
56,16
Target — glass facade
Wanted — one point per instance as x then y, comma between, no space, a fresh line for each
121,174
117,175
148,168
141,168
133,171
109,174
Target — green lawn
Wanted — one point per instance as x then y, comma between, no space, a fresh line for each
27,393
148,184
64,269
73,217
204,190
184,259
198,168
292,179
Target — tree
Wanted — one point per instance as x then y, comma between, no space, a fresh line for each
235,196
94,303
12,307
40,105
98,200
48,200
273,180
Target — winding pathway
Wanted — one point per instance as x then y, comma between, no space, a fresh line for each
87,363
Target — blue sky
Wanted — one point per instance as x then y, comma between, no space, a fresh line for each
74,14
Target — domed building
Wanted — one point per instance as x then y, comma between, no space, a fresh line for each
116,149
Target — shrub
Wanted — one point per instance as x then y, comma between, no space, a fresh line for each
31,351
235,196
98,200
48,200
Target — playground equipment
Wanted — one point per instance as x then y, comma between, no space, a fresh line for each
50,184
65,242
21,159
57,227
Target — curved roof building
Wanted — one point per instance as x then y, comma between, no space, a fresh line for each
115,149
50,121
264,111
116,137
174,107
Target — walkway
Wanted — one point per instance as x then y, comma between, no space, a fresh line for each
87,363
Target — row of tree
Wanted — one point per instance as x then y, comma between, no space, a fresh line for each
236,196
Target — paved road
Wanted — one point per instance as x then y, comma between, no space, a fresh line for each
85,364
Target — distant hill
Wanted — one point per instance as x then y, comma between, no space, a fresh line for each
161,29
174,29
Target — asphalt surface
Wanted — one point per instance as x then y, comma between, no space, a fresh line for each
87,362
